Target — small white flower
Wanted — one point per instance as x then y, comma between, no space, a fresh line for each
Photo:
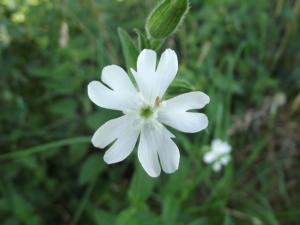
145,112
219,154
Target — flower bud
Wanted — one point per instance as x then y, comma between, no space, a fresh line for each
166,17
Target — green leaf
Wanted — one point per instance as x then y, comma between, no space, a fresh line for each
129,49
227,219
23,210
141,186
137,216
95,119
200,221
222,188
128,216
143,42
166,17
183,83
90,169
170,210
77,152
64,107
102,217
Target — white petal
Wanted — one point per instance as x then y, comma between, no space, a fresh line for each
106,98
173,112
188,122
153,82
117,79
120,95
156,142
216,143
166,71
225,159
168,133
147,151
217,166
122,147
187,101
220,146
146,62
209,157
111,130
168,152
145,74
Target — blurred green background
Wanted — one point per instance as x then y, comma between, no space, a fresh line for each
244,54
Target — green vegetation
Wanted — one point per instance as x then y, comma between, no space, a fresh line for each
244,54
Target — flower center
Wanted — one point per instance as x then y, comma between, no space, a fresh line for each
146,112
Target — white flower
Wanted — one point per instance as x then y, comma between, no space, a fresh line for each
219,154
145,112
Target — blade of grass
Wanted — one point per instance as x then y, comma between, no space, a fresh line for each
42,148
83,203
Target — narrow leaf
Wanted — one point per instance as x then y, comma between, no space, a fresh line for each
129,49
90,169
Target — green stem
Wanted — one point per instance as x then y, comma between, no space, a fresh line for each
83,203
43,148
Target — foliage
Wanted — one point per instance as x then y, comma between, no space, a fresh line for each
243,53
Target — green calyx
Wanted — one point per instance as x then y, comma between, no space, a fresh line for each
166,17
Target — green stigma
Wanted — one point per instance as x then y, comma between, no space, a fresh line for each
146,112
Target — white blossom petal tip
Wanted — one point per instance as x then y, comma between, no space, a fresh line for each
145,112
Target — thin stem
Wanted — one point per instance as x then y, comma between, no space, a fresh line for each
83,203
43,148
